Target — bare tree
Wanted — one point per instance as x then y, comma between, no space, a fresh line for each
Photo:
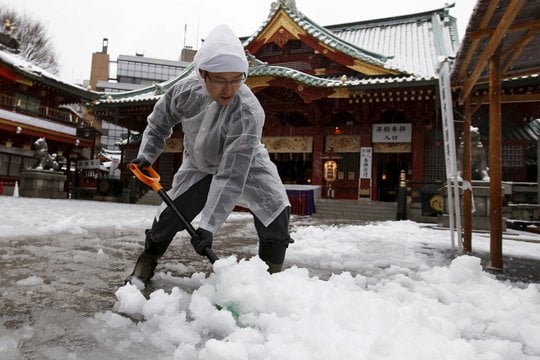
34,43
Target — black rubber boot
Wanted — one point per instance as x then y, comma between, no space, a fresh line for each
144,268
274,240
273,254
274,268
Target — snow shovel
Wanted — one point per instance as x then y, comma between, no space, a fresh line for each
152,180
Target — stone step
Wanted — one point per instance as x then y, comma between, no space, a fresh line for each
327,208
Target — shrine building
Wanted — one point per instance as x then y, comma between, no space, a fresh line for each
35,103
363,94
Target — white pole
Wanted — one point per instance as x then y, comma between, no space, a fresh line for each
450,152
456,188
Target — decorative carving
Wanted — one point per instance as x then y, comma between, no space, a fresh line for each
343,143
281,37
291,4
288,144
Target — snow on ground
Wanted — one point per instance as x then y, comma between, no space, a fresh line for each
376,291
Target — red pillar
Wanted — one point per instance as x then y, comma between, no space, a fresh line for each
318,150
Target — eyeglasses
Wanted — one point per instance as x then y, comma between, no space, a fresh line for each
221,83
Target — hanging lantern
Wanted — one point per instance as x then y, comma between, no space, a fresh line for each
330,170
330,165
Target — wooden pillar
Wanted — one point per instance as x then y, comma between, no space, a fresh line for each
495,161
318,149
418,148
467,176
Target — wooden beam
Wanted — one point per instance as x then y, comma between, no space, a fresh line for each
493,44
508,76
476,41
509,99
483,33
495,162
477,105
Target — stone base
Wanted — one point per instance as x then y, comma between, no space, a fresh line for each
478,222
481,198
530,212
43,184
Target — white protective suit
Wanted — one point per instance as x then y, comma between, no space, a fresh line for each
224,141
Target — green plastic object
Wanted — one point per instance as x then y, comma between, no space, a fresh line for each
235,314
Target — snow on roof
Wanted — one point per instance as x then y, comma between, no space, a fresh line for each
23,66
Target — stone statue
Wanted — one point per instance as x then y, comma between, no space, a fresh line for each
43,160
9,27
478,157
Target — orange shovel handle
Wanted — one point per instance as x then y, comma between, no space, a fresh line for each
152,179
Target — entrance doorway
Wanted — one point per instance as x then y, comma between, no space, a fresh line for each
293,168
389,167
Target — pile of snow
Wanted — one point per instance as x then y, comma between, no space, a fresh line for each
242,312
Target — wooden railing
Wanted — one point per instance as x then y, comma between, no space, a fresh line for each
23,107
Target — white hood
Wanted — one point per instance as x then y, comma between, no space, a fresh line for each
221,51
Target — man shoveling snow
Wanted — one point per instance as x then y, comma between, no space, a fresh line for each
224,161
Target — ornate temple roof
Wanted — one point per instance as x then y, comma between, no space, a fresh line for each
398,50
321,34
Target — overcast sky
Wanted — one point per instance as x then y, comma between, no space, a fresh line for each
157,28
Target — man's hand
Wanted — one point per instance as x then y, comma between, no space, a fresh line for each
202,240
141,163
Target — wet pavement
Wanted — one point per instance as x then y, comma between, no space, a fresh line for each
83,278
515,269
80,281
